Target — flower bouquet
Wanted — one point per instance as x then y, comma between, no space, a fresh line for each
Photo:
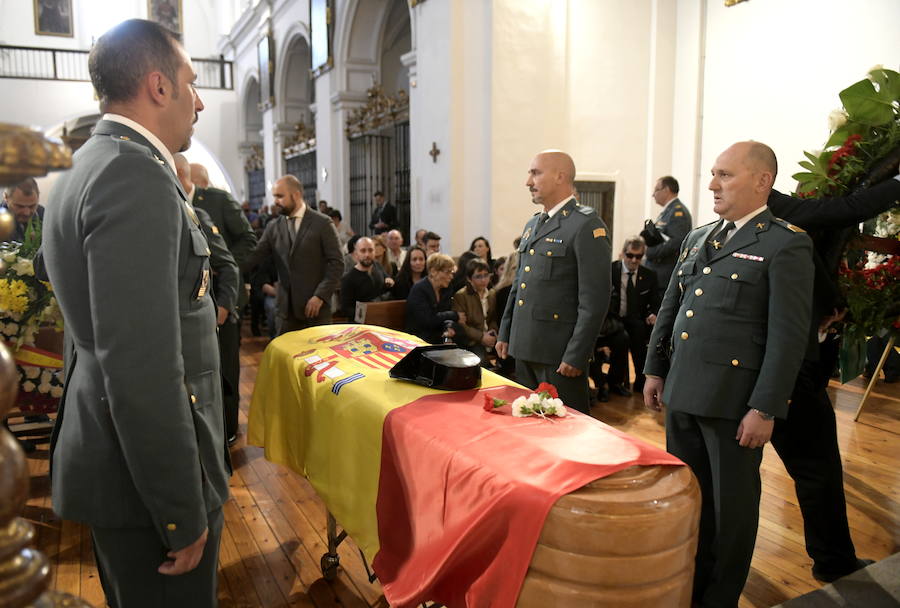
543,403
863,149
27,308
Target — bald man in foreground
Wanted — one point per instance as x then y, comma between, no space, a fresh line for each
561,292
728,342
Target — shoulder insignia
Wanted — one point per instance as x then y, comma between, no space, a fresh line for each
787,225
565,212
761,225
598,232
585,210
122,137
526,234
679,213
215,229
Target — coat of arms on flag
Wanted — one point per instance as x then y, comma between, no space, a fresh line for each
376,350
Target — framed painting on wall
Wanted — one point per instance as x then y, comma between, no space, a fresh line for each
265,50
53,18
166,13
321,22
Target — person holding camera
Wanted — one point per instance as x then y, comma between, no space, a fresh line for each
664,236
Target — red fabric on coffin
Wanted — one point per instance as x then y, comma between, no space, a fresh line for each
463,493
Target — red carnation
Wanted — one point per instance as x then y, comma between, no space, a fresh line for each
546,387
490,403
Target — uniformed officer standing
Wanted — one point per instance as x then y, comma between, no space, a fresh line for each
561,293
673,224
724,354
138,451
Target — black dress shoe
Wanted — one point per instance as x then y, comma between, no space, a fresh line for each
603,395
826,576
618,389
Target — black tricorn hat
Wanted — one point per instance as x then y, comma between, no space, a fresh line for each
443,366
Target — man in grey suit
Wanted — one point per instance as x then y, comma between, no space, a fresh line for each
561,293
735,316
307,255
138,452
672,224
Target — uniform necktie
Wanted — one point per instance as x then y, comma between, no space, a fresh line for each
718,239
543,219
631,297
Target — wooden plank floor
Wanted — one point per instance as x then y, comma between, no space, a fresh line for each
275,524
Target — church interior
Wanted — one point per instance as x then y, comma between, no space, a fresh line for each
440,105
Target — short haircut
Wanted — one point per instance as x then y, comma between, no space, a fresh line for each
126,54
335,214
439,262
357,240
763,157
351,242
431,236
378,193
476,264
28,186
633,242
293,184
669,182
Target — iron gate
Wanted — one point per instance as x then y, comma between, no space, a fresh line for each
380,161
303,167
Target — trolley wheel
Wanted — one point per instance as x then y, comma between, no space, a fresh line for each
329,564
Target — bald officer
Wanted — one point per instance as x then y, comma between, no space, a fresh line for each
735,315
561,292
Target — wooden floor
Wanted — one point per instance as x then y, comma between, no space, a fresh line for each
275,524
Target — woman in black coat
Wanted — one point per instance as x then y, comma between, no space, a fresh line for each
428,305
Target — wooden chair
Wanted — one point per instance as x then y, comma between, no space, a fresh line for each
390,314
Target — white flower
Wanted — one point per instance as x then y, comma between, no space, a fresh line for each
23,267
837,119
31,371
533,400
555,406
28,386
519,407
44,387
45,376
56,392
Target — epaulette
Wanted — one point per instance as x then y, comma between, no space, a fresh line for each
787,225
585,210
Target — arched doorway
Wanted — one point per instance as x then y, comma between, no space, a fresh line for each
252,146
379,131
297,92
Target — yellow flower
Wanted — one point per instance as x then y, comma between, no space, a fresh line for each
13,296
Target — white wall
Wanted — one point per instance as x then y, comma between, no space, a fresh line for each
774,71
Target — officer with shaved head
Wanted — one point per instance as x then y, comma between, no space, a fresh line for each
559,298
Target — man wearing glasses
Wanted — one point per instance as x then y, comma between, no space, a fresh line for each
634,301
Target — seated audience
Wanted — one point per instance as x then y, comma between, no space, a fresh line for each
381,255
499,267
344,231
410,273
365,282
420,237
431,243
396,252
324,208
429,313
482,249
479,303
508,365
633,302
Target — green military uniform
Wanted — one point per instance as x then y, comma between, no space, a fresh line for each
240,239
559,299
735,318
674,222
138,451
226,276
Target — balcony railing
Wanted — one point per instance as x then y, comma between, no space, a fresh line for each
35,63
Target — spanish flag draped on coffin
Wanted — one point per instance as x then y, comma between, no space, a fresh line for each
447,500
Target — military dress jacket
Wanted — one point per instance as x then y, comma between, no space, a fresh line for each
139,439
732,329
675,222
308,264
561,293
226,276
228,216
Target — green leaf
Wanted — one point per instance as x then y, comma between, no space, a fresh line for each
807,165
888,82
865,105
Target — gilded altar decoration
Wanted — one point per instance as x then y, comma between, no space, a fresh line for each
256,160
26,152
381,110
303,140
